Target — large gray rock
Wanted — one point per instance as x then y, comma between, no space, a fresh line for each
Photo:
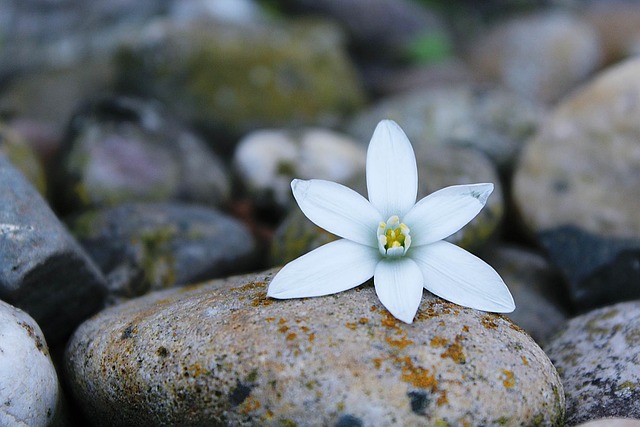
43,270
576,187
30,395
222,353
150,246
598,357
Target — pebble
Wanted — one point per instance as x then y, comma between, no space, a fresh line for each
492,120
267,160
142,247
540,56
536,286
576,188
222,353
598,357
238,78
124,149
43,270
30,395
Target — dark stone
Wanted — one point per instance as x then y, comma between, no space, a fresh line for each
122,149
419,402
599,270
43,270
142,247
349,421
239,394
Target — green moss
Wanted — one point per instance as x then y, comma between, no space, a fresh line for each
86,225
24,158
157,260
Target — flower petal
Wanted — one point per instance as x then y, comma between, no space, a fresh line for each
338,209
460,277
446,211
398,284
331,268
392,175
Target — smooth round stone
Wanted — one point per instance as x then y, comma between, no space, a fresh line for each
576,187
541,56
128,150
536,286
222,353
443,166
598,357
492,120
267,160
582,166
29,392
150,246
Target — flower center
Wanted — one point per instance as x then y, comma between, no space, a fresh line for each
393,237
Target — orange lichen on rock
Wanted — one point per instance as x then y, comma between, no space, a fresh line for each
291,336
509,379
377,362
363,320
489,321
249,405
439,341
417,376
400,343
351,325
442,399
525,360
454,351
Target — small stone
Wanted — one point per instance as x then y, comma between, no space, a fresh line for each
142,247
267,160
598,357
223,353
541,56
30,395
492,120
124,149
43,270
576,188
536,287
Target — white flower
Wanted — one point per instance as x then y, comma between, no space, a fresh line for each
392,238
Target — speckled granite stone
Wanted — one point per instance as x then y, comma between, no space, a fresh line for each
598,357
222,353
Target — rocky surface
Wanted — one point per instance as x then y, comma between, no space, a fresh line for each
492,120
224,353
598,357
584,210
124,149
293,74
43,270
142,247
29,392
541,56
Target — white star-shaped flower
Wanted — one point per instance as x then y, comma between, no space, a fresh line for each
392,238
